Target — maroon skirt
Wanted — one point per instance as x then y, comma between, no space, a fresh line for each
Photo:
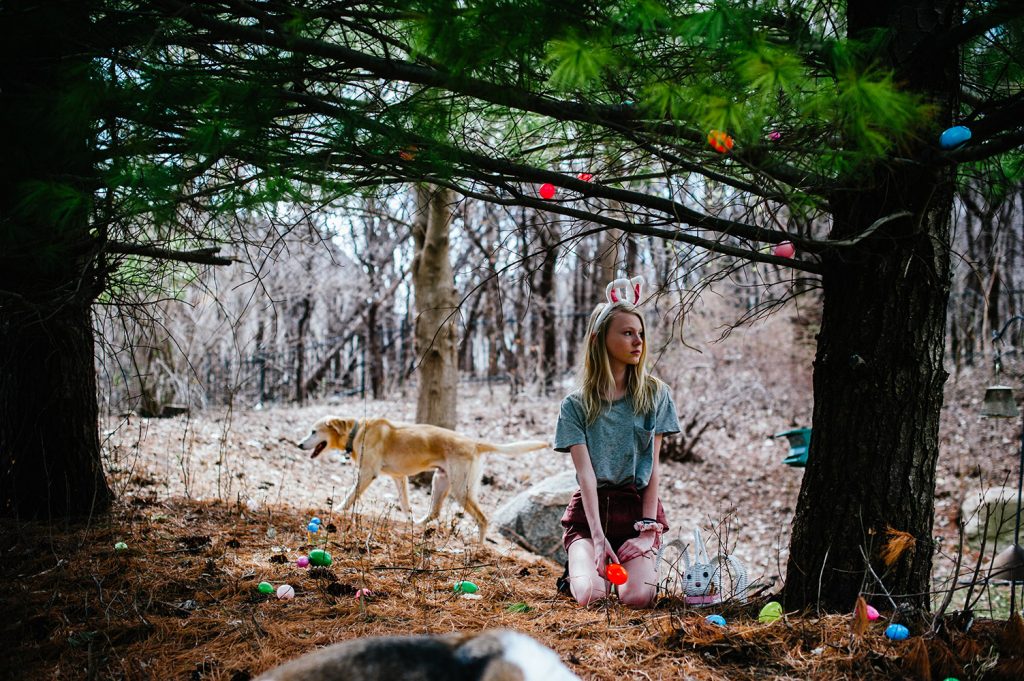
618,507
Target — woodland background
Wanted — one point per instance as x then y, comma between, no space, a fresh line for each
248,356
314,152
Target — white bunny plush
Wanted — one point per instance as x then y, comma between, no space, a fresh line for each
702,579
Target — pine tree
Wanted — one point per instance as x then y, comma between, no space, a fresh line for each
822,118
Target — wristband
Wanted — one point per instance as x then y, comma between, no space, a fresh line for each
647,525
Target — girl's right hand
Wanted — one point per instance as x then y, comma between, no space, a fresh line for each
603,555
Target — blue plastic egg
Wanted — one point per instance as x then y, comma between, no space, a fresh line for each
715,619
313,527
315,520
951,138
897,632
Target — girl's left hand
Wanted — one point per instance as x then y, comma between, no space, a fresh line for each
637,547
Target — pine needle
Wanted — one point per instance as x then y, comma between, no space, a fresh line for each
943,663
916,663
860,617
898,543
1013,633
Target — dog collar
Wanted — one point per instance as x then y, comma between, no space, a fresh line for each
351,437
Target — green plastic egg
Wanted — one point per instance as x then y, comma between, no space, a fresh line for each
265,588
770,612
465,587
120,546
320,557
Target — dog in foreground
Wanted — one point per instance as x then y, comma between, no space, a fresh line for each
494,655
402,449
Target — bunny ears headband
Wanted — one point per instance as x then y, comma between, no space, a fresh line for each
629,291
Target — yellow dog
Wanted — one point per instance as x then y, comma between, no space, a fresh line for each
403,449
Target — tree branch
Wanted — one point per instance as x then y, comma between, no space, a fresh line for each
201,256
958,35
987,149
618,118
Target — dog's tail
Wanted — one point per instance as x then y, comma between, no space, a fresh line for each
512,447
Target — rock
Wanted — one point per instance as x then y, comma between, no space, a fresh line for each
999,505
531,518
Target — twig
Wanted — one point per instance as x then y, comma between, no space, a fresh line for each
427,570
877,578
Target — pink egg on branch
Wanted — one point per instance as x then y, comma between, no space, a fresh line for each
784,249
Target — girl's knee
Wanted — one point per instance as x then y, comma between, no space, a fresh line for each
642,597
586,589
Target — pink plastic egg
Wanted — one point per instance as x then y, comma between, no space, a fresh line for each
786,249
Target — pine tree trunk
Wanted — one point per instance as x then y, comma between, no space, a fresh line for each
50,272
436,310
49,440
873,454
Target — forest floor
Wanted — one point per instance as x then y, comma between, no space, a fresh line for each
212,503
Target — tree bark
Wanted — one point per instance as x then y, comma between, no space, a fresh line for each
50,270
436,308
873,454
375,351
304,309
549,365
49,439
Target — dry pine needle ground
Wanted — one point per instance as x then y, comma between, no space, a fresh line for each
182,603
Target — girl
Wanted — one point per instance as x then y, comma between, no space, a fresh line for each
612,427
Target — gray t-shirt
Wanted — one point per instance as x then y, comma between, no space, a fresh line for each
620,441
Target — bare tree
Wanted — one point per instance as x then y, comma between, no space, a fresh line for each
436,308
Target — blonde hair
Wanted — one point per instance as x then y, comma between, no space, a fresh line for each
596,381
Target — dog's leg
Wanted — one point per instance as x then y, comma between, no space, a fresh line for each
438,493
402,485
464,482
363,480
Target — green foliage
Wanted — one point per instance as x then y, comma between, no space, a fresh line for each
49,204
769,69
872,112
671,100
494,38
578,63
225,124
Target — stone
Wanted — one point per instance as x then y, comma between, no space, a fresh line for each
999,505
531,518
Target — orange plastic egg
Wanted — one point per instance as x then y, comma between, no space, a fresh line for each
720,141
616,574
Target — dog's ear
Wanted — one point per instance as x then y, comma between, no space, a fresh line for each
340,427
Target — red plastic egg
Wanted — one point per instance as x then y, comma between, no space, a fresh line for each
720,141
547,191
784,249
586,177
616,574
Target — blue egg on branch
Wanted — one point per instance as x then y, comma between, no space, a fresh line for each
951,138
